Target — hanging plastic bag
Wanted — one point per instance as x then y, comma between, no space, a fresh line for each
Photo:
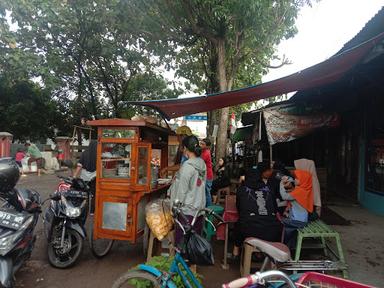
159,218
198,250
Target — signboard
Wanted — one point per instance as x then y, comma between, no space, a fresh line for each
196,118
283,127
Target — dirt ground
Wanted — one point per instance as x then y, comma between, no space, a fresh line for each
89,271
362,242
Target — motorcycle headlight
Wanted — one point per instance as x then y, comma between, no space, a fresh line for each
8,242
72,212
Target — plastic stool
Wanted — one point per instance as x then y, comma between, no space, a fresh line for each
209,231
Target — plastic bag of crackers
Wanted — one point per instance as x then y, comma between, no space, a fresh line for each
159,217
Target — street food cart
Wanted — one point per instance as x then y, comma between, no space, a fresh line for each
129,155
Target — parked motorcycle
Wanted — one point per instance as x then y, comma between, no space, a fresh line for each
64,222
19,214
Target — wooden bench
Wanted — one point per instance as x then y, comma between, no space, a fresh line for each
318,229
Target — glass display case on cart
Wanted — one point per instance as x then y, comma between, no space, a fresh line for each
129,156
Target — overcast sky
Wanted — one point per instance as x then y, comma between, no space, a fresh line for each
322,30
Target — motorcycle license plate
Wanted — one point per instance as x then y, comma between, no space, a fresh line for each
75,194
11,220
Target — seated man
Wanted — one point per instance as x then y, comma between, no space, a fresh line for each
298,192
256,205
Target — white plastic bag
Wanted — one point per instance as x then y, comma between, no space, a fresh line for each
159,217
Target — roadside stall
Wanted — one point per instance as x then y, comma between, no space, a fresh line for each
130,155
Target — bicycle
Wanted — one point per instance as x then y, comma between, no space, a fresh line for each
277,279
156,278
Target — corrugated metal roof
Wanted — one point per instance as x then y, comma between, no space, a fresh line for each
372,28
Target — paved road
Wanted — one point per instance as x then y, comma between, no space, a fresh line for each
88,271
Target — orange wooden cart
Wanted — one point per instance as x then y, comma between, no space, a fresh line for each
126,180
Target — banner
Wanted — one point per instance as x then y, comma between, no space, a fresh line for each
283,127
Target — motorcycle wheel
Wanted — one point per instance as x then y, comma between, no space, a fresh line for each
61,260
99,247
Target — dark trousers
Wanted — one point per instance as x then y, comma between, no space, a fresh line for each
268,233
290,231
39,162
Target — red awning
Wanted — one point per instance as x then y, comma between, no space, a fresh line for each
325,72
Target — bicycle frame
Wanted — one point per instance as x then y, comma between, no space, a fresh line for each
166,278
178,266
188,273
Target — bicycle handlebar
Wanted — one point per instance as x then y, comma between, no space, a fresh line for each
260,278
176,209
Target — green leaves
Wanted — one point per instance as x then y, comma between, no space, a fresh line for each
163,264
22,105
80,49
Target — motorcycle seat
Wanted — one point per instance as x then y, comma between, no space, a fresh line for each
276,250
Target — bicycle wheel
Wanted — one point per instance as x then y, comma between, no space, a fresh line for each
99,247
136,279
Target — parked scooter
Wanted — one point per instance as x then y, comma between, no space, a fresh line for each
64,222
19,214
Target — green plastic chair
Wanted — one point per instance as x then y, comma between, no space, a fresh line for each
208,229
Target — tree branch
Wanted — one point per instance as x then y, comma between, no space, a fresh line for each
105,83
284,61
195,27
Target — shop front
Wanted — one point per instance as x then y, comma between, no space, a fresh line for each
371,177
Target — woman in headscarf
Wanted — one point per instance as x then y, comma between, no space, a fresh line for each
309,165
298,192
256,205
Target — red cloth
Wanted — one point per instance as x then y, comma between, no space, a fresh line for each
206,156
230,215
19,156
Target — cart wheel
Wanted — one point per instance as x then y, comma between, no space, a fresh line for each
99,247
145,240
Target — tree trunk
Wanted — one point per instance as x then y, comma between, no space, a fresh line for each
223,86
